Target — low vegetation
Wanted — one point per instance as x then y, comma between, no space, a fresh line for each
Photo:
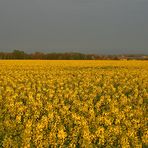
73,104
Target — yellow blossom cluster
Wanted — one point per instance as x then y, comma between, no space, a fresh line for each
73,104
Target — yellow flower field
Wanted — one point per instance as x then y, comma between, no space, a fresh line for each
72,104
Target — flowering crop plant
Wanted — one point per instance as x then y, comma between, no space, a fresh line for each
72,104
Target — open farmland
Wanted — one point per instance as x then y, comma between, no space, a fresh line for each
73,104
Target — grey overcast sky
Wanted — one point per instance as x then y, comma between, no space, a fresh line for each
91,26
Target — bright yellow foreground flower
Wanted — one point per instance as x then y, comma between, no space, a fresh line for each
73,104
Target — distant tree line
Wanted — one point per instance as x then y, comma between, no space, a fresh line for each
17,54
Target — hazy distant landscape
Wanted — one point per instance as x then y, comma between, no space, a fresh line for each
17,54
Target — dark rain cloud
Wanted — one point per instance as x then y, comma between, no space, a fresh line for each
100,26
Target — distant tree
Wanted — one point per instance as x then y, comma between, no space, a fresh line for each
38,55
17,54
